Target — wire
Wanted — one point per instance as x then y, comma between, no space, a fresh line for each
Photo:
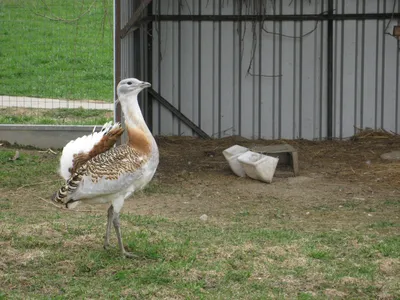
391,19
296,37
290,36
279,34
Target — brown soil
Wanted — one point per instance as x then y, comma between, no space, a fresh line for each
341,184
339,178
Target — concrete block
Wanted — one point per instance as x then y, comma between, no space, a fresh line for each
43,136
286,153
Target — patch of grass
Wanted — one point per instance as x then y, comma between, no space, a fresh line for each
179,259
237,275
5,203
383,224
351,204
389,247
304,296
64,113
155,187
390,202
320,254
54,58
58,116
25,170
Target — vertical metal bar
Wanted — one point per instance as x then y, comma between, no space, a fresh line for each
335,71
199,79
240,70
356,75
159,65
397,81
142,65
294,92
137,60
301,73
274,78
194,92
214,130
321,79
219,71
376,68
149,45
260,71
330,69
234,63
362,69
179,64
172,71
253,81
383,67
280,72
341,74
117,55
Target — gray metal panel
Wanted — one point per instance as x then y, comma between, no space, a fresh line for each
280,97
127,59
256,80
365,70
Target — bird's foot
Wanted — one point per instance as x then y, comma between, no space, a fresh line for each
129,254
106,246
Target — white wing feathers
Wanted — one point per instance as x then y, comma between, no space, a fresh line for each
83,144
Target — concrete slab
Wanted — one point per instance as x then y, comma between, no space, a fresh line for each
43,136
286,153
394,155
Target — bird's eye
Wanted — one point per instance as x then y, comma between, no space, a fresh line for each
129,82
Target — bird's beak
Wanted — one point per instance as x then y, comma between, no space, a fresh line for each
145,84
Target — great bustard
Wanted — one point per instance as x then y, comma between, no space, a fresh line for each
97,172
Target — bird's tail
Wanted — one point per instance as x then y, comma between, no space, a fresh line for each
61,196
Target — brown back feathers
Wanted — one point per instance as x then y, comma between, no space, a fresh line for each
107,141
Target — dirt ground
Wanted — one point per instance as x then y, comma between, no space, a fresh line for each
344,181
341,183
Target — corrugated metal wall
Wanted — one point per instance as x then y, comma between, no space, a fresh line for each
366,65
133,54
269,79
127,50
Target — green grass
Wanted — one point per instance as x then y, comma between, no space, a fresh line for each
56,59
26,169
185,259
57,116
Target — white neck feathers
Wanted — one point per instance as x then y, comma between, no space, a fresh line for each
133,114
138,132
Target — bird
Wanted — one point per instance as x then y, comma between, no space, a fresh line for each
97,172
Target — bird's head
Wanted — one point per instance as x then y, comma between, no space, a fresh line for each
131,86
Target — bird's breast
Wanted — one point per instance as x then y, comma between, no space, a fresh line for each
139,140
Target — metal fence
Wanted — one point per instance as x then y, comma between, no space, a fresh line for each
56,62
262,68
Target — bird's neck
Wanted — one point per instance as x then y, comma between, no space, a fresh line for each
139,134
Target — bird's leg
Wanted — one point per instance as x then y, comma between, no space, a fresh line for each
119,237
110,217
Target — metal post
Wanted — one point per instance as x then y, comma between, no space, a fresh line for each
330,71
149,44
117,56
